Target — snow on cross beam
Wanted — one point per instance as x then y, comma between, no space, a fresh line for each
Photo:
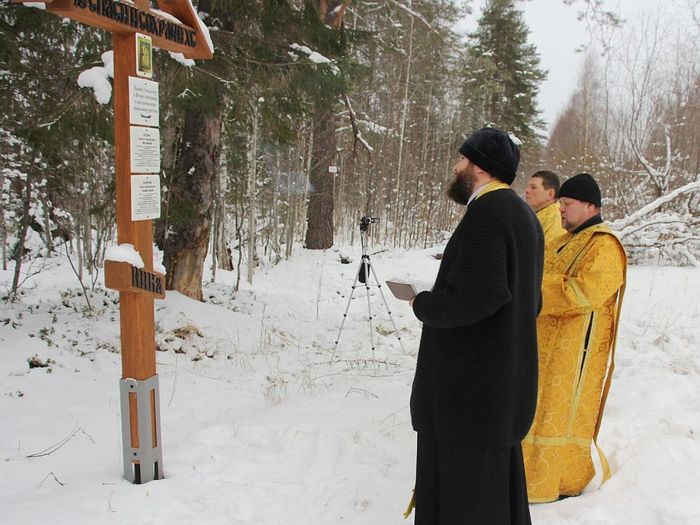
174,27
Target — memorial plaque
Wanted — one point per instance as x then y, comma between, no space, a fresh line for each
145,150
145,197
143,102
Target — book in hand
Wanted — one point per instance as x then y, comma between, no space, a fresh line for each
402,290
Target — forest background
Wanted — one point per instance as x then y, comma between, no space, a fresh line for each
384,91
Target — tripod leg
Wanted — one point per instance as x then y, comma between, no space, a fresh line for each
368,269
398,334
347,308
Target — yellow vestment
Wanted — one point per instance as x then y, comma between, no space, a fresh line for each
550,220
582,288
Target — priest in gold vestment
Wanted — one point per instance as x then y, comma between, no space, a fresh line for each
541,195
582,289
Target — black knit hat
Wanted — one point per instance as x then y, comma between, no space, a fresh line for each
581,187
494,152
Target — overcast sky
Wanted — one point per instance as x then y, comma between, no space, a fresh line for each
558,34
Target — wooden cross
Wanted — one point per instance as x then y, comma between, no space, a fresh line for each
173,27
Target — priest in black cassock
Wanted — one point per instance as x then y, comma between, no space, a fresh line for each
475,387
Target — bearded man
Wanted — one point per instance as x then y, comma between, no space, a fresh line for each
582,289
541,194
475,387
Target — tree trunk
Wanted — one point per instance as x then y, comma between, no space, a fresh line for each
319,231
24,226
252,183
3,226
319,215
190,202
402,137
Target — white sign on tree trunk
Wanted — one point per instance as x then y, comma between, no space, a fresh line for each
143,102
145,197
145,150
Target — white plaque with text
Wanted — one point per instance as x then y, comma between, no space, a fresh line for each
143,102
145,197
145,150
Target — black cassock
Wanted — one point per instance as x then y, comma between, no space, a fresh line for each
460,484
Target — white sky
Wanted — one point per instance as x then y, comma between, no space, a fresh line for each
557,33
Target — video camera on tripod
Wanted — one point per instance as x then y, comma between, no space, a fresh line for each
366,221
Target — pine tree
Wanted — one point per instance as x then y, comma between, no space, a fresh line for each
45,119
319,233
503,73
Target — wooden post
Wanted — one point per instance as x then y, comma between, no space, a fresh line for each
137,318
136,310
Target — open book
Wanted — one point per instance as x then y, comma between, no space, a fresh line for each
407,289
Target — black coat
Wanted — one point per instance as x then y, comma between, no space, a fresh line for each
476,376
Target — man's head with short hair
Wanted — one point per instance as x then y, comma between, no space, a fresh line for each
542,189
579,201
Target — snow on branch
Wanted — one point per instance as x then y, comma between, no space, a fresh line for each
658,177
313,56
623,226
415,15
97,78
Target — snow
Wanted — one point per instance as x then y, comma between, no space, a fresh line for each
204,28
179,57
260,427
97,78
158,267
124,253
314,56
128,254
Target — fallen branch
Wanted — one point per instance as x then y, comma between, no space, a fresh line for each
622,224
57,446
38,485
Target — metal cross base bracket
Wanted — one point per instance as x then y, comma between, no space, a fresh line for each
143,456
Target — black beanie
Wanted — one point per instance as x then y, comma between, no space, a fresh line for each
494,152
581,187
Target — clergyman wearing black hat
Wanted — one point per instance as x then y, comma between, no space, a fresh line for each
579,203
582,289
475,387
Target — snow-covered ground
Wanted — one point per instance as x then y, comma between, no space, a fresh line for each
262,423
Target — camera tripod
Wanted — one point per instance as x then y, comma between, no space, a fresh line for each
364,271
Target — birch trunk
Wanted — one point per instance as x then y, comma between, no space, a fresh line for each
22,234
252,173
402,136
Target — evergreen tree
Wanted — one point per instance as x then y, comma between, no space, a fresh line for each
45,119
319,232
503,73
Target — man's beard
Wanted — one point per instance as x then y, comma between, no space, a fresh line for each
461,189
567,225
